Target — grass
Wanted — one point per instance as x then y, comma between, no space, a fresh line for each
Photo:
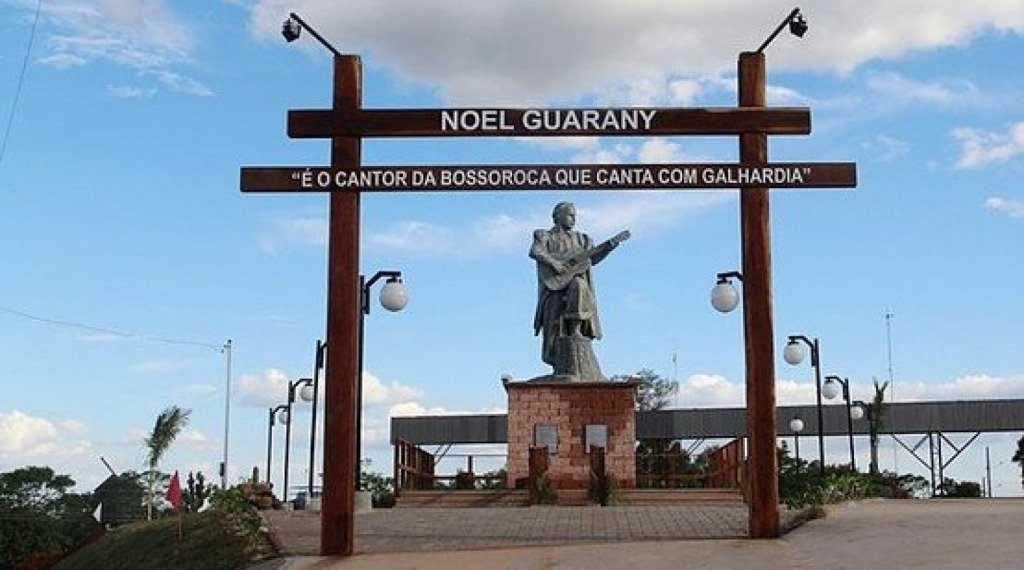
209,541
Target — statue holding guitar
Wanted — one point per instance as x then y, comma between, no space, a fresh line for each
566,315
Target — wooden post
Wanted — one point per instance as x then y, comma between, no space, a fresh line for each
757,315
343,312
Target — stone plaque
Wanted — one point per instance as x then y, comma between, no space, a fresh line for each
546,435
595,434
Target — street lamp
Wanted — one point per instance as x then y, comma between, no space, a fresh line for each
309,394
830,391
288,427
796,425
282,412
794,354
724,296
394,298
797,27
862,409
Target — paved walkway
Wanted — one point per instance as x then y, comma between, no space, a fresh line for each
418,530
948,534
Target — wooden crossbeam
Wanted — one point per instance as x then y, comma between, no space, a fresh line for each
652,121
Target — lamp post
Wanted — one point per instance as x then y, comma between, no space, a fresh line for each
283,409
288,428
794,354
860,410
309,394
796,425
830,391
226,349
393,297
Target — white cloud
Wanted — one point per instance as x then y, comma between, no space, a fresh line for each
887,148
74,427
376,392
527,51
194,439
180,84
141,35
1012,208
415,409
265,390
25,438
129,92
970,387
200,390
980,148
301,229
894,87
506,233
711,390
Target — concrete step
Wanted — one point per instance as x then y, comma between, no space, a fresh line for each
573,498
676,496
462,499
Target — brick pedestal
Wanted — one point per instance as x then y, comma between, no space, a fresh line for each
568,407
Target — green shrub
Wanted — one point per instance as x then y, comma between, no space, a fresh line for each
546,493
241,518
803,484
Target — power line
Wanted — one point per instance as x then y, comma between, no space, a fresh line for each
115,332
21,80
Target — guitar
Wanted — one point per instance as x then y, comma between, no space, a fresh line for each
578,263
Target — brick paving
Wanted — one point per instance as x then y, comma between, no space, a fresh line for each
419,530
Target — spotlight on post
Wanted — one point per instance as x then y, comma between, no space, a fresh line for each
797,24
724,296
857,412
797,27
291,30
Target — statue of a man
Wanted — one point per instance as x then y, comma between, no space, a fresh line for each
566,306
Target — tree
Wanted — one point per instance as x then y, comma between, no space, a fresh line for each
652,392
197,492
876,415
38,514
659,461
953,488
1018,457
167,427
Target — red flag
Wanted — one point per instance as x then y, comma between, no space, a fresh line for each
174,492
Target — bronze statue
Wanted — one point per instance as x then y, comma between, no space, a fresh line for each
566,306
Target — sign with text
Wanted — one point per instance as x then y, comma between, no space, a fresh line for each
549,177
631,121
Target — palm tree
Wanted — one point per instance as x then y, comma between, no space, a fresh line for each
878,409
168,424
1018,457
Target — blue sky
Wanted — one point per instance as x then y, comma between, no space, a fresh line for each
121,211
